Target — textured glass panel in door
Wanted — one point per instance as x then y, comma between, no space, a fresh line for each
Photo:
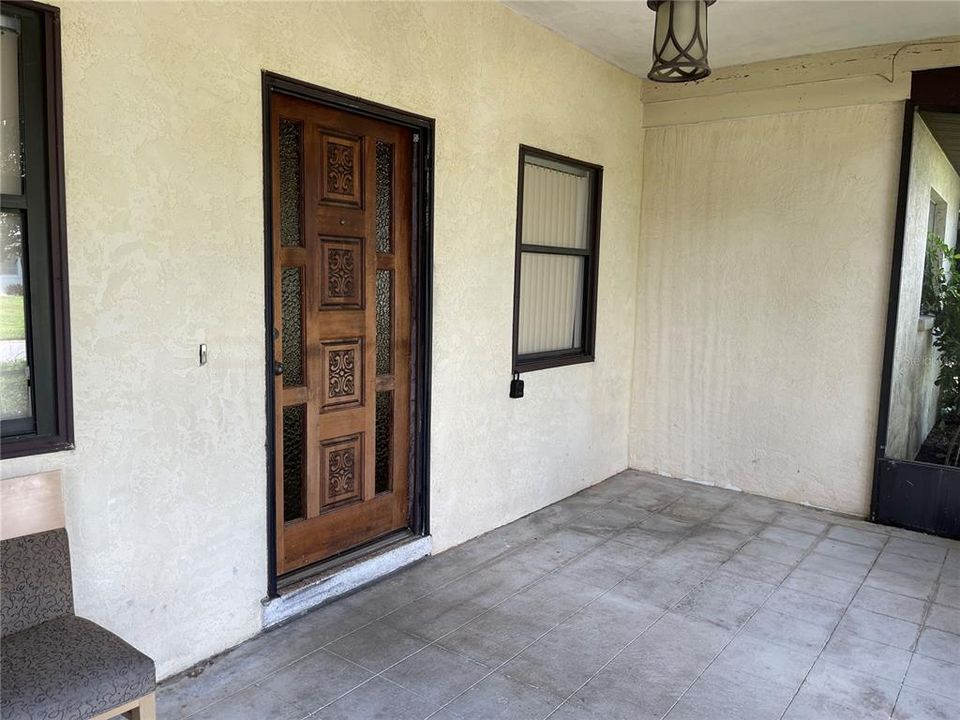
384,434
384,322
291,183
291,301
551,297
384,196
293,464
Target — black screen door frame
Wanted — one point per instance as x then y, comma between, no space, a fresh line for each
422,280
909,494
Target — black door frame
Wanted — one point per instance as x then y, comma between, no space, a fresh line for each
422,280
909,494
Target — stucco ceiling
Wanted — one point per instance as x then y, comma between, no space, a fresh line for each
743,31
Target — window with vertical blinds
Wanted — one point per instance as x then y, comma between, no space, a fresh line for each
558,219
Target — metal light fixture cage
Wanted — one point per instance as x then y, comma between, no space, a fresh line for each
679,40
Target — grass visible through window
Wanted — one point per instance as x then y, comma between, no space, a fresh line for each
11,317
14,390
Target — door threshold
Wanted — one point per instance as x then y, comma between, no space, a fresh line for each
306,575
302,592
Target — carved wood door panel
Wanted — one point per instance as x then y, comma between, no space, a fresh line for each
342,303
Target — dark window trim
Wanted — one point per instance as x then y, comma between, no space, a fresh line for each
586,353
50,322
422,279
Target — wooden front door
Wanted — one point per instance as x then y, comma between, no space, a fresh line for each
341,209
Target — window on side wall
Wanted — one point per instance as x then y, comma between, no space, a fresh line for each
558,240
934,261
35,396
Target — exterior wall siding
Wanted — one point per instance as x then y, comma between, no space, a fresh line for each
761,301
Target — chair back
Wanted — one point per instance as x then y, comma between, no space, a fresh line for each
35,580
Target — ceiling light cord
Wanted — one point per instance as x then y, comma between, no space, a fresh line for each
893,61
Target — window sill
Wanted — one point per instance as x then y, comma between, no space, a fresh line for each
547,361
33,445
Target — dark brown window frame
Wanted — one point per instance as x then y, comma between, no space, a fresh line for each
49,332
586,352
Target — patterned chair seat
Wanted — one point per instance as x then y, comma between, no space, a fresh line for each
69,668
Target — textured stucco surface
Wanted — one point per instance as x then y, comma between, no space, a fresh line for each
913,395
165,493
761,300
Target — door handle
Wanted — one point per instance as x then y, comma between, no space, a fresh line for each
277,368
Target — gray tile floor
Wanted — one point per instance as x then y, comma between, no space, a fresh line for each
638,598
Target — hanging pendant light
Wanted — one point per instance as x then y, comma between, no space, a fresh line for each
679,40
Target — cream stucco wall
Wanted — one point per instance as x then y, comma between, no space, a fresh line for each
165,493
913,395
761,300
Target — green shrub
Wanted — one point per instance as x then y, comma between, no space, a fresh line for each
934,275
941,298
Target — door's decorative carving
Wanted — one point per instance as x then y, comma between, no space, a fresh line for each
341,471
340,168
341,362
341,180
341,273
340,371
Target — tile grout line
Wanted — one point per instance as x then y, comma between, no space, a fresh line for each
467,622
835,627
578,610
483,565
888,536
928,606
619,499
796,563
763,527
430,643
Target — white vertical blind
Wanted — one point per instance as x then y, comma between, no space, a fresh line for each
556,209
551,295
555,206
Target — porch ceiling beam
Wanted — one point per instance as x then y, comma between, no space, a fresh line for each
879,73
